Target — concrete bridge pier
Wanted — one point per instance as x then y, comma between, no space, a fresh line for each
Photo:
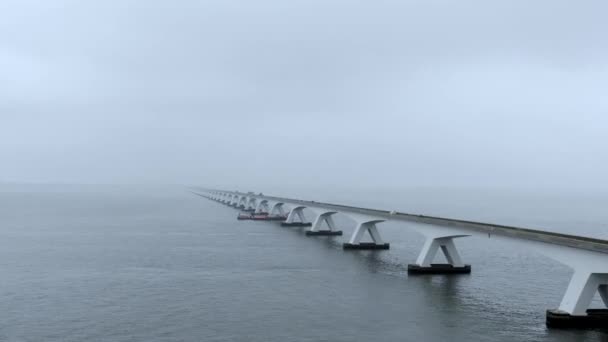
262,207
242,202
298,212
574,311
249,206
277,209
432,245
233,200
327,218
239,202
276,212
370,227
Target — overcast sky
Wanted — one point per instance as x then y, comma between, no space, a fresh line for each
344,93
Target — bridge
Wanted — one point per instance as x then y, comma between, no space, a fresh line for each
588,257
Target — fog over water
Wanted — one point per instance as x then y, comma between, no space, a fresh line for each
264,94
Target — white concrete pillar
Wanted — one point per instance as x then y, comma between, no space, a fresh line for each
277,208
324,217
262,206
296,212
603,290
370,227
447,246
252,203
581,290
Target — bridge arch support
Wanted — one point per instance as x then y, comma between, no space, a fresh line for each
589,278
251,204
242,203
424,264
296,218
581,290
368,226
574,311
324,217
277,209
233,200
262,207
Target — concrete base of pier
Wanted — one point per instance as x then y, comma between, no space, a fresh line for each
324,233
437,269
296,224
365,245
595,318
276,218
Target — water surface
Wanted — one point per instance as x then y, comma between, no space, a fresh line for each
111,263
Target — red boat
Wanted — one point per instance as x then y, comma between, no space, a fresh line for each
244,217
261,217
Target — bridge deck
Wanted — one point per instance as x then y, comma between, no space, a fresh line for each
580,242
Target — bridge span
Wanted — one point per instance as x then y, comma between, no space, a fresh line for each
588,257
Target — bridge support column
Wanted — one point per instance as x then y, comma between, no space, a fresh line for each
241,203
276,212
574,309
316,226
250,205
262,208
299,213
277,208
370,227
424,263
